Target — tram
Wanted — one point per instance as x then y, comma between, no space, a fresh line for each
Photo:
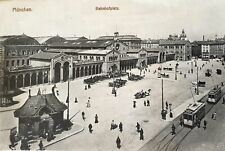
193,114
214,95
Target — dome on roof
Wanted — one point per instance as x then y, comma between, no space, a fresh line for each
55,40
21,40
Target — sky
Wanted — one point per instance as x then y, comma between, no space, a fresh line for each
145,18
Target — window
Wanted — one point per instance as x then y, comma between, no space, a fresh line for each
12,62
18,62
23,61
27,62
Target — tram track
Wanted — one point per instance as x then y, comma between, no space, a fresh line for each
168,142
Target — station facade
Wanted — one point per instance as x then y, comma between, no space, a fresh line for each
27,62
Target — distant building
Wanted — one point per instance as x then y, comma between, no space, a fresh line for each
40,114
132,41
181,48
196,49
150,43
179,45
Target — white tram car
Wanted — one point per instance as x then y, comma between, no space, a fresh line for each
193,114
214,95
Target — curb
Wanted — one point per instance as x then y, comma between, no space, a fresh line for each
65,137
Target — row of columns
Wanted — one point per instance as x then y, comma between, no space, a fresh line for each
14,81
86,71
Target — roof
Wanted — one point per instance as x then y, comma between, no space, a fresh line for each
34,104
173,42
212,42
19,40
154,50
194,107
121,37
128,57
136,50
95,51
43,55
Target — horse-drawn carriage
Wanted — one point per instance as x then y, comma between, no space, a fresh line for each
118,83
164,75
168,68
141,94
134,77
208,73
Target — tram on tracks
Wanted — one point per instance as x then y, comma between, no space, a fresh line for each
193,114
214,95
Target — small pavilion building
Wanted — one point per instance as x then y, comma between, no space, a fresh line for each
40,114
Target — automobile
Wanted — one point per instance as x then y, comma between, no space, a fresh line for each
134,77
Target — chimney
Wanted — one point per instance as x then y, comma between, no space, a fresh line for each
203,38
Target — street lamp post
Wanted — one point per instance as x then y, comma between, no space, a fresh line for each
197,91
163,112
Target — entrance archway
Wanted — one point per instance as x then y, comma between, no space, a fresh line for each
93,70
33,79
86,71
89,69
65,71
77,72
82,71
20,81
12,82
27,80
57,72
40,77
114,68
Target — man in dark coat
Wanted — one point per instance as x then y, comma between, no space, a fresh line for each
205,124
173,129
83,116
138,127
134,104
41,145
96,118
121,127
118,142
90,128
141,134
148,103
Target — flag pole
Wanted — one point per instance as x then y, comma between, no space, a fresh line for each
67,101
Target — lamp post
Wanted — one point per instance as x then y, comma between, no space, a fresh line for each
176,72
67,101
163,112
197,91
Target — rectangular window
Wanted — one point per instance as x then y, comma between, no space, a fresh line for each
18,62
12,62
27,62
23,61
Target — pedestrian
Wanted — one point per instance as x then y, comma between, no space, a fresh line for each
75,100
96,118
85,88
167,105
113,125
88,103
138,127
214,116
148,103
121,127
144,103
173,129
41,146
89,86
115,93
134,104
181,121
205,124
171,114
118,142
141,134
83,116
90,128
57,92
